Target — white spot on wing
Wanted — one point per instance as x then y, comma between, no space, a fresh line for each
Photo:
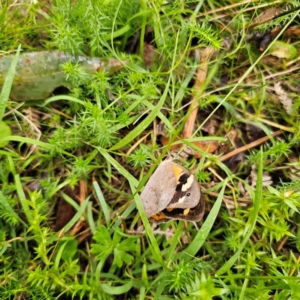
181,200
188,184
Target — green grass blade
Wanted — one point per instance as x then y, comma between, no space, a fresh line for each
103,204
118,167
133,184
203,233
161,116
70,200
117,290
90,217
184,85
8,83
73,221
78,214
62,97
145,123
252,218
26,140
174,243
19,190
24,202
125,214
3,248
117,33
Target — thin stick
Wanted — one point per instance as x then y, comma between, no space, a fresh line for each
249,146
200,78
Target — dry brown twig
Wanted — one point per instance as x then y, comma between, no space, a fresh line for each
200,78
249,146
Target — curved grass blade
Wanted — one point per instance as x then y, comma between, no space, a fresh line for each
133,184
103,204
117,290
203,233
26,140
8,83
252,218
145,123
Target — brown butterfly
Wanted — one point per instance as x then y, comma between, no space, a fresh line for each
172,193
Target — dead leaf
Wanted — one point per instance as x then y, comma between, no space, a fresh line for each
267,15
283,97
149,53
283,50
266,179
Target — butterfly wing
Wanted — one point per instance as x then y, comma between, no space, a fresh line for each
187,192
193,214
159,189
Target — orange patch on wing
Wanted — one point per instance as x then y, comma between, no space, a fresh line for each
177,172
186,211
159,216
